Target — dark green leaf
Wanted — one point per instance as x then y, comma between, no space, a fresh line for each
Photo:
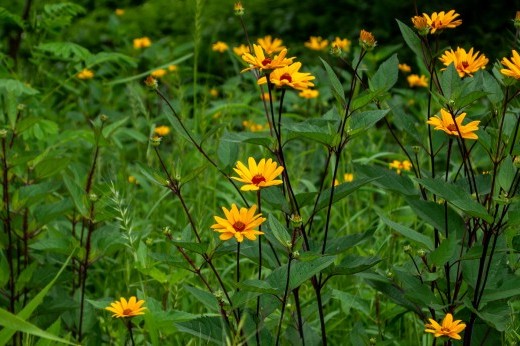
341,191
352,264
388,179
386,75
409,233
445,252
411,39
360,122
341,244
335,84
208,328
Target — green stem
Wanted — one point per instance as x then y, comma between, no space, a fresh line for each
258,317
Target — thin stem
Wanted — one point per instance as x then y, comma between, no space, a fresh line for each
258,317
284,299
129,327
7,226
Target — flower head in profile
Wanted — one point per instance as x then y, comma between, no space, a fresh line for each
341,43
289,76
241,50
449,327
219,46
124,308
142,42
466,63
309,93
400,165
316,43
257,176
367,40
238,223
512,66
420,24
442,20
270,45
162,130
161,72
262,61
417,81
446,124
85,74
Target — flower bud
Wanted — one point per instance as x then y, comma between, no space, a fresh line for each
151,83
239,9
103,117
93,197
155,140
421,25
516,22
3,133
407,249
367,40
421,252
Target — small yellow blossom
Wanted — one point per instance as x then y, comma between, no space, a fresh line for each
213,92
85,74
512,64
367,40
309,93
400,165
119,11
241,50
252,126
446,124
405,68
442,20
173,68
219,46
348,177
449,327
417,81
270,45
238,223
132,179
342,43
466,63
142,42
265,96
316,43
124,308
158,73
162,130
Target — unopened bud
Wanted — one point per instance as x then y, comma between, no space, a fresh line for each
156,141
239,9
93,197
421,252
407,249
103,117
367,40
149,241
296,220
3,133
517,20
151,83
166,231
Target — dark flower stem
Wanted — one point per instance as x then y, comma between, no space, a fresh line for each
258,317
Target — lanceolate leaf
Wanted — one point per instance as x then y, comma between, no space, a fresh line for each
335,84
409,233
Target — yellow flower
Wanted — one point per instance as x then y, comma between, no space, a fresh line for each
271,46
219,46
85,74
416,81
513,66
241,50
404,68
316,43
446,124
151,82
213,92
343,44
162,130
441,20
265,96
123,308
398,165
309,93
132,179
348,177
142,42
465,63
119,11
367,40
158,73
420,23
173,68
252,126
256,177
263,62
289,76
449,327
238,223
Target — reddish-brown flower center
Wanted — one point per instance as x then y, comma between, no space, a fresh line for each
266,61
445,330
465,64
257,179
239,226
287,77
127,312
452,127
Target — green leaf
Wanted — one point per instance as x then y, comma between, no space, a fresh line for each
445,252
341,244
363,99
456,195
110,128
199,248
208,328
16,323
411,38
388,180
386,75
360,122
279,231
434,214
408,233
206,298
152,175
16,88
77,193
276,200
227,152
352,264
341,191
335,84
65,50
254,285
6,17
317,130
451,83
506,173
262,139
104,57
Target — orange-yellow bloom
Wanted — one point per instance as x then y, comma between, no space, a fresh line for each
263,62
289,76
343,44
124,308
241,50
442,20
420,23
417,81
400,165
238,223
162,130
316,43
449,327
219,46
466,63
85,74
309,93
257,176
367,40
158,73
348,177
269,45
446,124
513,66
142,42
119,11
404,68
